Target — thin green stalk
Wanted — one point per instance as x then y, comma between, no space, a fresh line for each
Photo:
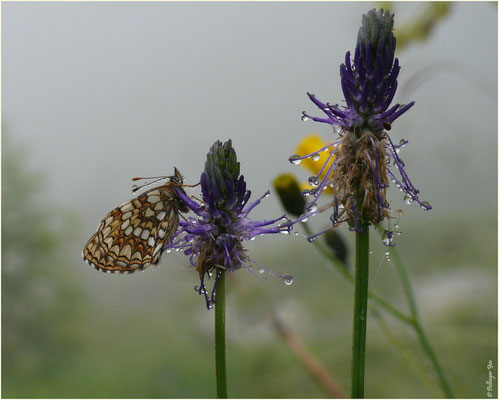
408,355
425,344
341,268
360,311
221,370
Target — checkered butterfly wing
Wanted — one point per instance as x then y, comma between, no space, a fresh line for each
133,235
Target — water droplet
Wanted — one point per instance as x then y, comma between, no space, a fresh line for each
425,206
313,180
168,250
252,237
408,199
387,253
261,271
304,219
396,226
370,252
297,233
304,117
311,239
399,233
296,159
316,157
387,240
312,207
210,306
285,231
288,280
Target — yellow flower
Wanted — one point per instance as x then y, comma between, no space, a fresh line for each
309,144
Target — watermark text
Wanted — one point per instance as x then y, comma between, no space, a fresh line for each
491,378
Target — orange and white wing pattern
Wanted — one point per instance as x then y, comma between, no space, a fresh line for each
133,235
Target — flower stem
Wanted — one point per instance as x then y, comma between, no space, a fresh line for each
360,311
221,370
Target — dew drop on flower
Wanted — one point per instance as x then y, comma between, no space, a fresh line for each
134,188
296,159
316,157
311,239
387,240
304,117
210,306
261,271
312,207
313,180
337,129
387,253
288,280
168,250
408,199
425,205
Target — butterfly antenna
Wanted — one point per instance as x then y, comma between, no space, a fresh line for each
135,188
192,186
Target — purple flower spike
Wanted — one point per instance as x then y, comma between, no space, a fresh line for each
370,83
364,154
213,239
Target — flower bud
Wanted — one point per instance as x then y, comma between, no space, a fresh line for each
289,193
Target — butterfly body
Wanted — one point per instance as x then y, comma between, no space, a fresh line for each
133,235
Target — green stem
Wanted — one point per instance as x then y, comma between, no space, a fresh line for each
360,311
425,344
221,370
342,268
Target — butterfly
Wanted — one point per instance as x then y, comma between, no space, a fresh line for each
133,235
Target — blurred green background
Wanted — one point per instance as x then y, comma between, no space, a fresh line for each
93,94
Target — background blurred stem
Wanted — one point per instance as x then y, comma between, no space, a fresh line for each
342,268
221,371
413,320
407,354
425,344
313,365
360,310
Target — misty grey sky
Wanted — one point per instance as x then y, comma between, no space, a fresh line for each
102,92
